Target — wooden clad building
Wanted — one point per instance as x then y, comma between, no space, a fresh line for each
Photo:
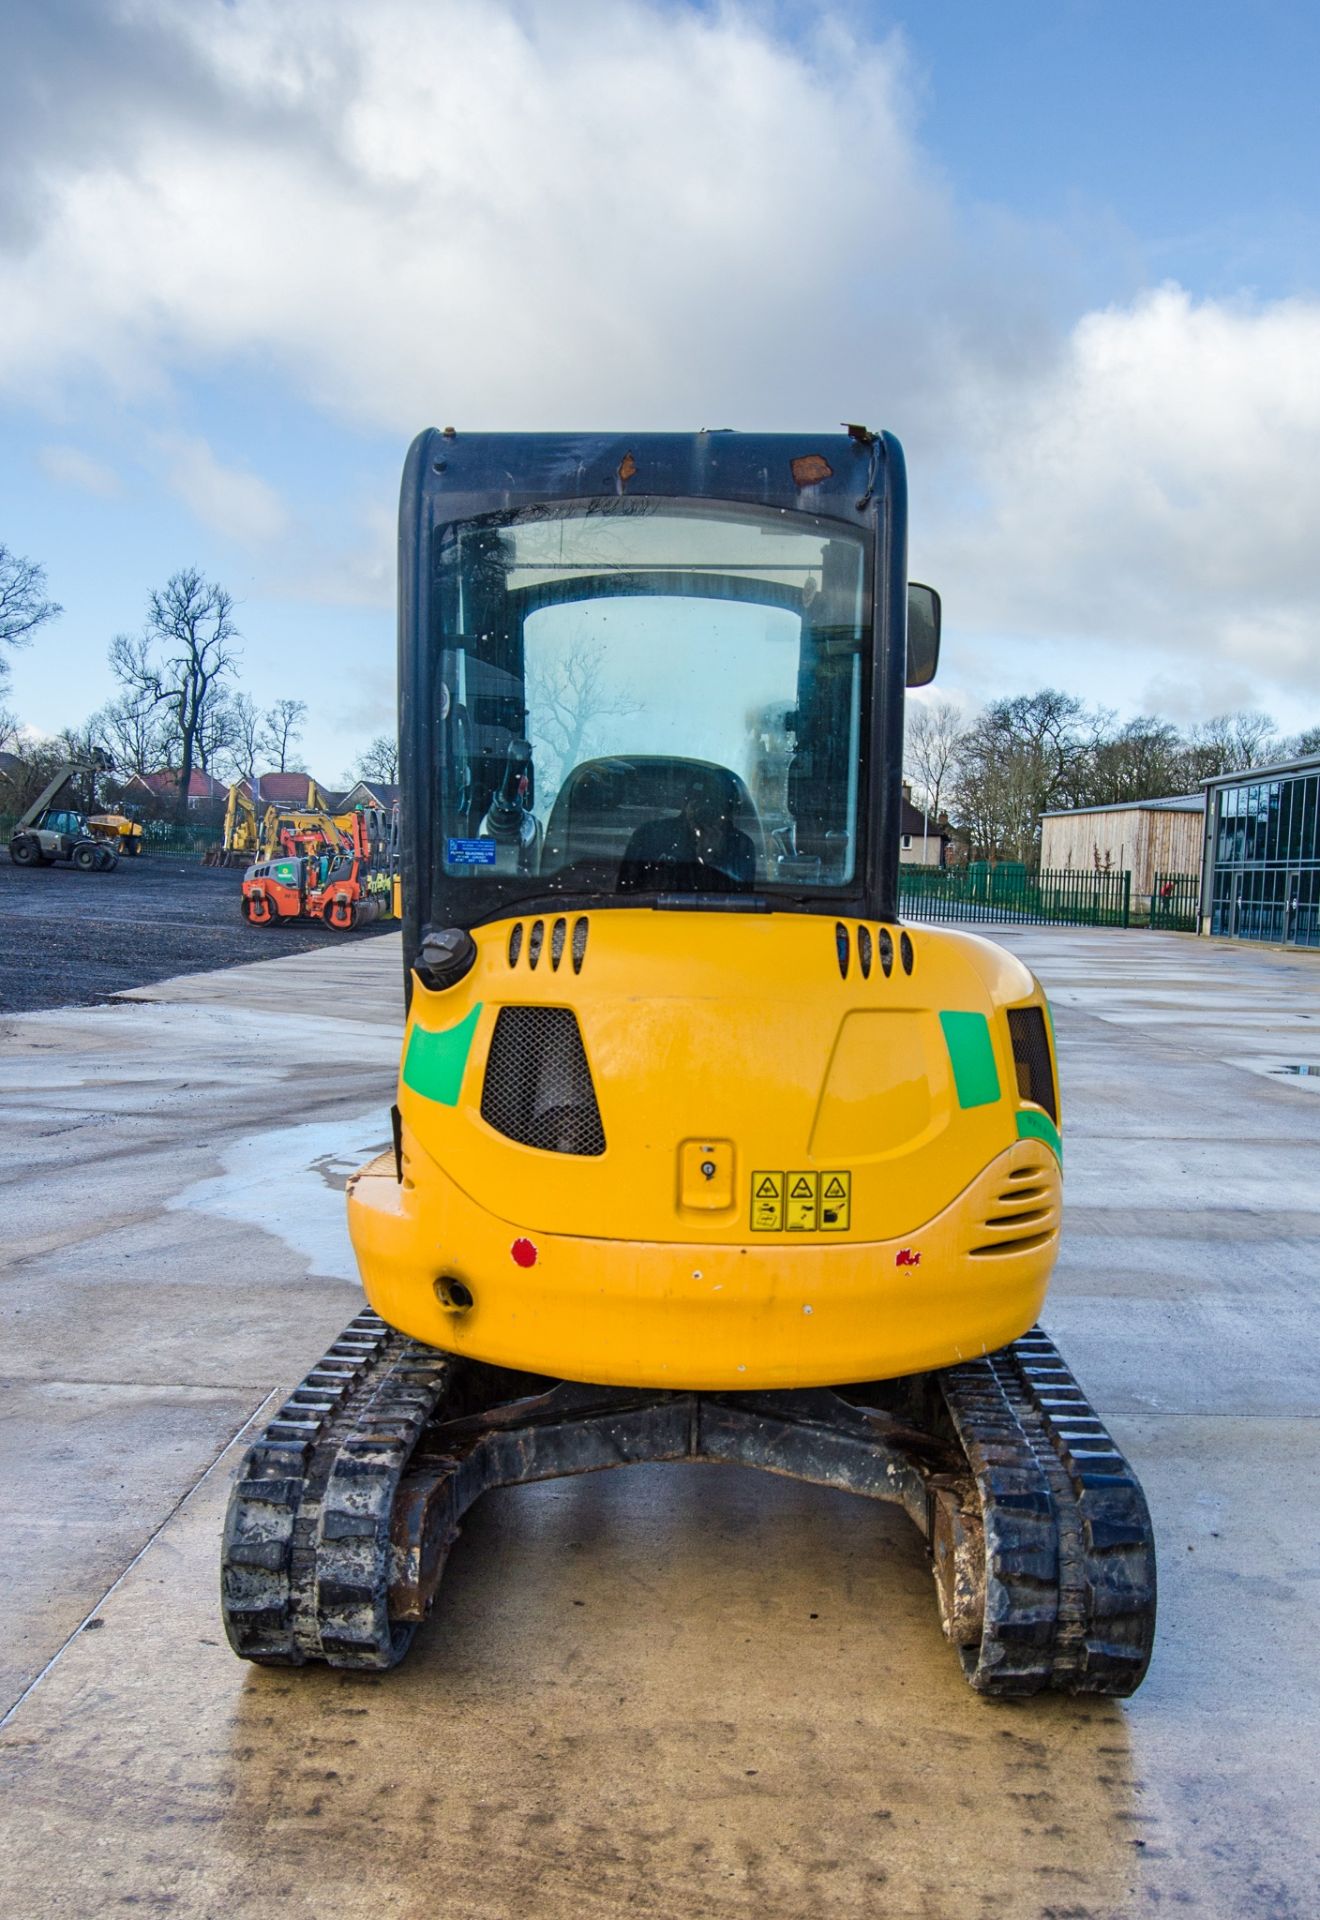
1143,837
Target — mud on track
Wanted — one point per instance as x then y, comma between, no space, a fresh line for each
71,939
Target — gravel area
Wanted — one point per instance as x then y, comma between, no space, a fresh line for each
71,939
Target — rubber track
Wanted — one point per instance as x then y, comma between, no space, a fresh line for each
1070,1552
305,1570
1070,1570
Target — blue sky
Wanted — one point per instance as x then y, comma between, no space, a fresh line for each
1186,131
1067,251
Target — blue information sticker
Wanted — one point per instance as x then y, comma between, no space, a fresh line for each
470,853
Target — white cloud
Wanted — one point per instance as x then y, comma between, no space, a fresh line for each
1155,491
506,214
73,468
522,214
228,500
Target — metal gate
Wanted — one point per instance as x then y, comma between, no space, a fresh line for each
1175,902
1009,894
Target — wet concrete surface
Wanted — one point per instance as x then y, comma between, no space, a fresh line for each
677,1691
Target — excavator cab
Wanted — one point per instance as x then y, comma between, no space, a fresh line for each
698,1151
652,708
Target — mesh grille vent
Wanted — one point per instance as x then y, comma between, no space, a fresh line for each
534,942
558,935
1031,1055
843,947
538,1087
905,950
515,944
885,942
579,944
864,951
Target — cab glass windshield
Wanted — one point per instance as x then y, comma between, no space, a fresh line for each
635,697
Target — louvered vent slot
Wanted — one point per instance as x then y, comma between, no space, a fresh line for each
538,1087
1031,1055
1020,1217
996,1249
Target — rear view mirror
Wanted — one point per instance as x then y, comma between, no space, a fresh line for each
923,635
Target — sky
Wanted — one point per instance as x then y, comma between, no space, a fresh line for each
1068,250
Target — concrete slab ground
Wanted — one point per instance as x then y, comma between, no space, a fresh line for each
681,1691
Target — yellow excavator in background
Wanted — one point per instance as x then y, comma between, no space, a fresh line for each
246,838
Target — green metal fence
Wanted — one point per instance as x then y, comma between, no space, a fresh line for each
167,840
1011,894
1175,902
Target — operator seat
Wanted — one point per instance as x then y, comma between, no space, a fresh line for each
603,803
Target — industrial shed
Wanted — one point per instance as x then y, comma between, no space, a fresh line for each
1143,837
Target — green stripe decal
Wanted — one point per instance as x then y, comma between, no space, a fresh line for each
967,1036
1039,1126
434,1063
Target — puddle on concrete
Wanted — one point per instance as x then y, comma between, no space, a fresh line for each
290,1182
1287,1073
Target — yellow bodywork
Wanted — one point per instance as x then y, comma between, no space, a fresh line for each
243,834
808,1177
117,830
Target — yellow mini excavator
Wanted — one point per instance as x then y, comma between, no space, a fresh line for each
698,1152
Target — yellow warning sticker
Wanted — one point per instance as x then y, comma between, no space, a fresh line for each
801,1202
767,1203
800,1206
835,1202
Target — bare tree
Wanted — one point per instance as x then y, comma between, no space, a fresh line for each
933,732
1141,760
27,770
1020,758
381,760
246,726
1306,742
217,733
568,694
281,729
23,606
1231,742
182,662
136,733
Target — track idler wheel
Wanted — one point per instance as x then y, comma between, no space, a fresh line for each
957,1545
